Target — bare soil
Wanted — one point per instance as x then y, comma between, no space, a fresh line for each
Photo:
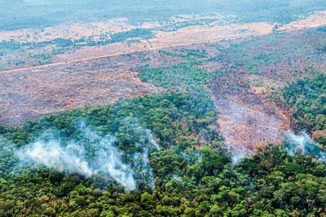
73,31
31,94
182,37
312,21
251,121
248,119
250,109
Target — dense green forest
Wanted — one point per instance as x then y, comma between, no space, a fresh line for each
189,181
192,172
307,101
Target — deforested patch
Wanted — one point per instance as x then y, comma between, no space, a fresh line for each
250,123
31,94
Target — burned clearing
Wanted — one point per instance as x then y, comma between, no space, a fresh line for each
251,73
35,92
247,92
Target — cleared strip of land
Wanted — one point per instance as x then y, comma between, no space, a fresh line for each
182,37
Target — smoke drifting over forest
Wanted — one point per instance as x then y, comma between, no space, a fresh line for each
300,143
303,144
93,155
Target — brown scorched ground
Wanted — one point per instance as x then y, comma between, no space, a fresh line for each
248,119
32,93
251,112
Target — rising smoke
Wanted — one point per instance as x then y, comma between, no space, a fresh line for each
238,153
93,155
143,142
303,144
294,144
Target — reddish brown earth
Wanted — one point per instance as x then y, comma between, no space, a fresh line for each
30,94
249,102
251,121
248,118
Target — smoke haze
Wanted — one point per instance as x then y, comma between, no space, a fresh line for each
92,155
300,143
303,144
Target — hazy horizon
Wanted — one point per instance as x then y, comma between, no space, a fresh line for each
18,14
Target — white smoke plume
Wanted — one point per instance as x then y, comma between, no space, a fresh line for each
238,153
303,144
144,141
92,155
